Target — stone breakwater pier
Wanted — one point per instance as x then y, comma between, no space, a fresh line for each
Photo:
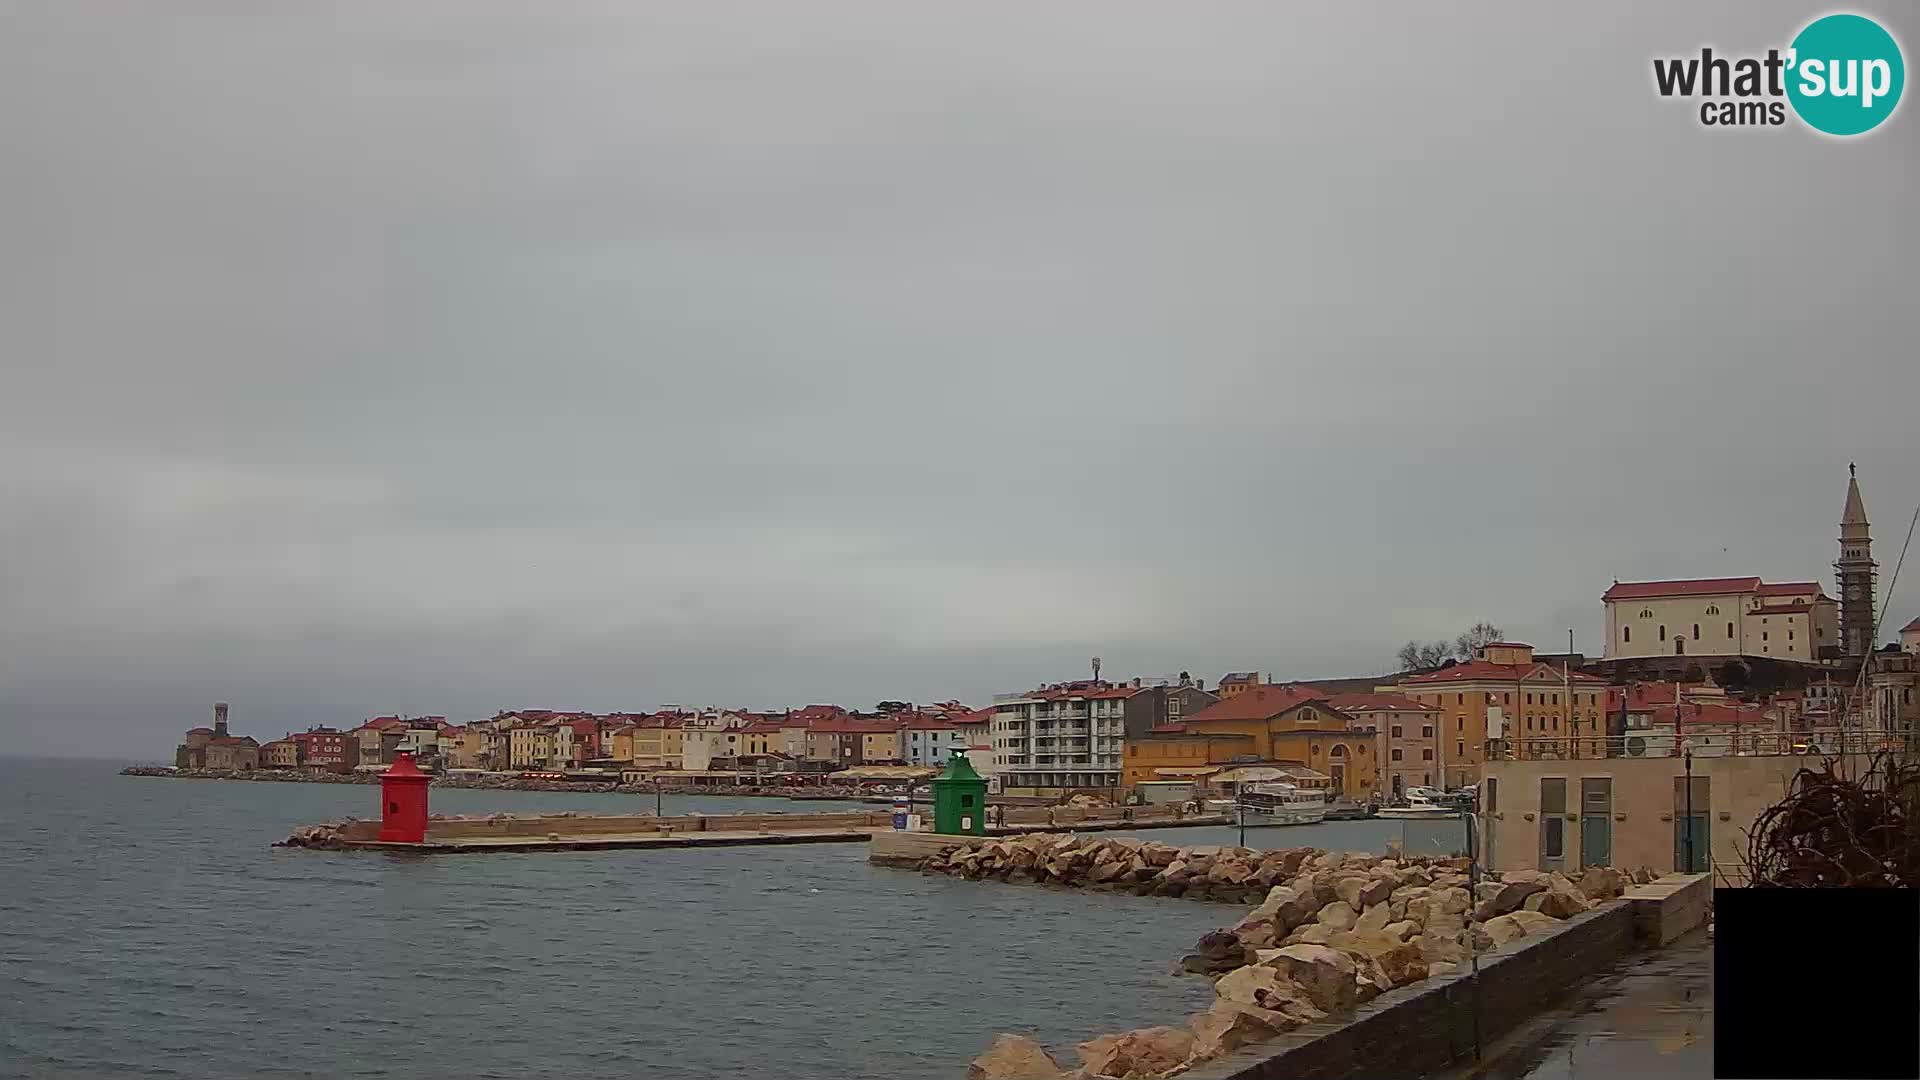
1350,965
588,832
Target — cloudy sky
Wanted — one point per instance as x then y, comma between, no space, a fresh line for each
364,357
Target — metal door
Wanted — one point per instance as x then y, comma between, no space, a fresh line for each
1596,821
1553,823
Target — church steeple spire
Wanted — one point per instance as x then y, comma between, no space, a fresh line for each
1855,571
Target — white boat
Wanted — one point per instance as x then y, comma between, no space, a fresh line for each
1420,804
1280,804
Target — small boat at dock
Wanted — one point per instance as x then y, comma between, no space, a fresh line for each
1280,804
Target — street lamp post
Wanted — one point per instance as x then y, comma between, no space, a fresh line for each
1687,751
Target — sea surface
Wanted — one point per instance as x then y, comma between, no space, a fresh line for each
149,929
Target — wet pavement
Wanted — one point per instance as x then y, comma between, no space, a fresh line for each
1650,1017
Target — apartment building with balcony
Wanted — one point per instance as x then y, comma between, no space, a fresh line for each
1061,738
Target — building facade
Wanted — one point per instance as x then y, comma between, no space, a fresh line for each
1741,616
1406,737
1505,695
1290,725
1154,706
931,741
1060,738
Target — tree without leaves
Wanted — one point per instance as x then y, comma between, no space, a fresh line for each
1478,636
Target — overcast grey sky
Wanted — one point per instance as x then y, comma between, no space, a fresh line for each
364,357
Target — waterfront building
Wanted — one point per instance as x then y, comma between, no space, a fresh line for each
325,749
1295,726
929,740
1740,616
1159,702
1910,637
1504,693
1893,690
659,741
280,754
1406,737
378,739
1172,754
216,747
847,741
1061,738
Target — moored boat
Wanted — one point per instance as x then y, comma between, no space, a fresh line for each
1280,804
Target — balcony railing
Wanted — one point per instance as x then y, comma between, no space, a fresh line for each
1704,743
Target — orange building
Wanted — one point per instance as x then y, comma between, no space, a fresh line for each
1285,725
1505,693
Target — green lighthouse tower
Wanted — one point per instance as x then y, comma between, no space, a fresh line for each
960,799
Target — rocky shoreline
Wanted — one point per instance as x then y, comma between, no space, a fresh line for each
505,783
1331,931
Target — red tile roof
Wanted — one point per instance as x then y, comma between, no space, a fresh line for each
1377,703
1911,627
1486,670
922,722
1644,590
1168,729
1258,703
1789,588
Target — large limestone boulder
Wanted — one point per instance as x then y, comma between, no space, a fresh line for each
1401,931
1263,986
1228,1026
1644,876
1216,952
1452,901
1403,964
1015,1057
1312,933
1376,891
1326,974
1439,948
1534,921
1438,968
1501,929
1338,915
1348,889
1148,1052
1373,920
1561,899
1511,895
1603,883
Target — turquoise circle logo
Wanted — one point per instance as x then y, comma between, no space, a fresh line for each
1846,74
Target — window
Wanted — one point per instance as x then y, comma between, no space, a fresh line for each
1396,753
1556,699
1556,723
1729,631
1713,609
1763,635
1529,699
1339,750
1459,750
1426,731
1529,721
1506,699
1363,749
1646,613
1663,631
1459,723
1396,731
1789,635
1460,699
1626,633
1696,631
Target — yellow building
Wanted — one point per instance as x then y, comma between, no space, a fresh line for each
1294,726
658,743
620,744
280,754
1505,694
880,746
1170,753
530,747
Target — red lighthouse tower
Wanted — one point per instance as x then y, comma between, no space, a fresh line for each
403,802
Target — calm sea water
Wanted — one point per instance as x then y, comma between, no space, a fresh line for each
147,929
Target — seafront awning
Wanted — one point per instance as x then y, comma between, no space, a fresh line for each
1267,774
1182,771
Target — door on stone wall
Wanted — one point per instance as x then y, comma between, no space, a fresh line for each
1553,823
1692,839
1339,774
1596,821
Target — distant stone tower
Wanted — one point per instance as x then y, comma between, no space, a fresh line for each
1854,573
219,719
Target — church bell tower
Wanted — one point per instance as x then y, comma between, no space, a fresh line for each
1854,573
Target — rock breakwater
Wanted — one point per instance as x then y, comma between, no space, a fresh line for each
1232,875
1330,931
